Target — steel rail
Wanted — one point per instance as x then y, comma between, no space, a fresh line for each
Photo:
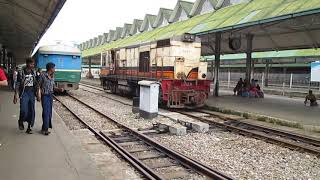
291,135
92,86
288,135
290,145
185,161
137,164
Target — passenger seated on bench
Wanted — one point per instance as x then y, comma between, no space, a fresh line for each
238,89
245,89
253,83
260,92
312,98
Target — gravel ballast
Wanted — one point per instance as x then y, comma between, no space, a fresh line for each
236,155
244,158
117,111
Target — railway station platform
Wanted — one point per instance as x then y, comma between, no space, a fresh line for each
39,157
273,106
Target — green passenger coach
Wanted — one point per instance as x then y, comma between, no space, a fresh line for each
68,64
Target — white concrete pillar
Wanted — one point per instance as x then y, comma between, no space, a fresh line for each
229,78
101,59
291,79
262,80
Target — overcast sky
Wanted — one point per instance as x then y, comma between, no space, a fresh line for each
80,20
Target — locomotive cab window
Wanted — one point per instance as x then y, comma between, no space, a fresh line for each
163,43
144,61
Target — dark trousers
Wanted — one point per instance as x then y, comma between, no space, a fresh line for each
27,107
46,102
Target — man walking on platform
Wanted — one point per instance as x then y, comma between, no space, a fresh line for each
46,82
27,88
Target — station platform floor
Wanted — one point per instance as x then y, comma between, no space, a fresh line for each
39,157
289,109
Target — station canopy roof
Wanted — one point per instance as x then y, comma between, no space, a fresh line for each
275,25
23,23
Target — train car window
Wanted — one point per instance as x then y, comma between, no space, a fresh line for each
144,61
163,43
113,56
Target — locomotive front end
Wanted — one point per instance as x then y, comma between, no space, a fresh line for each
189,87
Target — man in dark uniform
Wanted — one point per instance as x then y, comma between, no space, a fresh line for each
46,83
27,88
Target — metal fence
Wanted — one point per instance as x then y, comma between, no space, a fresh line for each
277,80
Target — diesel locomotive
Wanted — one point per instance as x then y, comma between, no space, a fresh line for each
174,63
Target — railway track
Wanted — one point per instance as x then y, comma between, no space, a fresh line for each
150,158
284,138
102,90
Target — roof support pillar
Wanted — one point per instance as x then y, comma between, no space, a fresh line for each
249,57
89,75
267,69
101,59
252,68
2,63
217,63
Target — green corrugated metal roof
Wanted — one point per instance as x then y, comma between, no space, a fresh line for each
166,12
271,54
184,6
254,11
135,26
187,6
126,30
163,14
198,3
239,14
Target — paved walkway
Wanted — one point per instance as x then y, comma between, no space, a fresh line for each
37,157
291,109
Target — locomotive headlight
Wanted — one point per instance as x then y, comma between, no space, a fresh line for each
189,37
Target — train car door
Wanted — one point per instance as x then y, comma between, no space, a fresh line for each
144,62
113,62
179,68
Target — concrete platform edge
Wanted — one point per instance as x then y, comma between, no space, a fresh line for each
269,119
74,151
